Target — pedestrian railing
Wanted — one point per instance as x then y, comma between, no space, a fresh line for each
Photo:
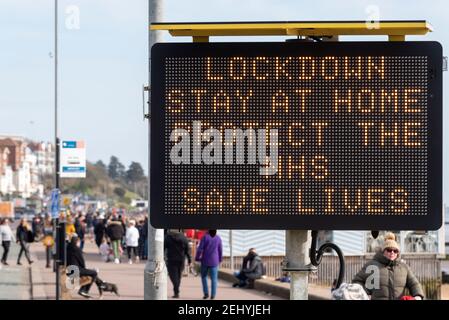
427,268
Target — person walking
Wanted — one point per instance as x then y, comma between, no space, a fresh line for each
177,249
100,230
145,238
132,241
48,240
122,218
139,227
24,235
37,226
70,226
80,228
6,236
90,225
394,275
114,231
210,254
105,251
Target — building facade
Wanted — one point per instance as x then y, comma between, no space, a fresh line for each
23,163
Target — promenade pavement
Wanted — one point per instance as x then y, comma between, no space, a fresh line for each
130,280
14,279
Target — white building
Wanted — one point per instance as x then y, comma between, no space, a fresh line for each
22,180
6,173
20,173
26,178
45,156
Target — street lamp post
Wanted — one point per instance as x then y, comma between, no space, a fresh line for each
56,221
59,226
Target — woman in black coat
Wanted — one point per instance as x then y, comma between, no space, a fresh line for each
23,236
99,231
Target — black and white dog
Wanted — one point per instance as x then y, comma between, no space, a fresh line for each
107,287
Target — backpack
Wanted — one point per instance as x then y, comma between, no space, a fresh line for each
350,291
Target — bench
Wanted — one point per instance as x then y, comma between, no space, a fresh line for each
250,283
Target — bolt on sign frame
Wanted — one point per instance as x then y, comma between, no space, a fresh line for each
359,128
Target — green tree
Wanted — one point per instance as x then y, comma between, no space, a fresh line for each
135,172
82,186
122,172
100,164
127,200
120,192
116,169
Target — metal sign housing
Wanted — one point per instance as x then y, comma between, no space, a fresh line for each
333,135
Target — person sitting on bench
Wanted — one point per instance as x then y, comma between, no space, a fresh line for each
75,258
252,269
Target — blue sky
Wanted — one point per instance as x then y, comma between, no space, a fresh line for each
103,64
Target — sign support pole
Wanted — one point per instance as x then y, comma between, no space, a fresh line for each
297,253
298,244
155,271
231,252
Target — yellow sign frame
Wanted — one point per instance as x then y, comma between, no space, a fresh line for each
201,31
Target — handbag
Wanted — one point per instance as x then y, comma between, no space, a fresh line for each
29,236
48,241
350,291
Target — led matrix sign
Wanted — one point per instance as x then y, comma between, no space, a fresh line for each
336,135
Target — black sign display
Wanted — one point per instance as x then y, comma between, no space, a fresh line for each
325,136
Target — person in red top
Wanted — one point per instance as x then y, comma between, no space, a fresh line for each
189,233
199,234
